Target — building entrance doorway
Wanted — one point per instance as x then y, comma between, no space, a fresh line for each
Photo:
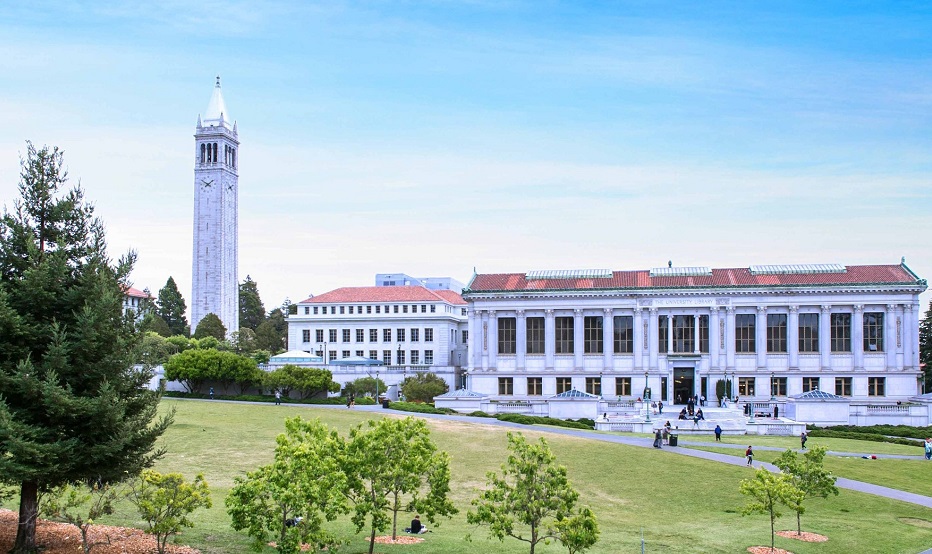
684,385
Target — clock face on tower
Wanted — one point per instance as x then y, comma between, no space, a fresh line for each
207,182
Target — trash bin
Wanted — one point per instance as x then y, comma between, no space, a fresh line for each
385,402
673,439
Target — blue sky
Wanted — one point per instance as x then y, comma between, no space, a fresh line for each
434,137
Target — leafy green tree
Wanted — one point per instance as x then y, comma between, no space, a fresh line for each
269,338
72,407
165,502
394,465
243,341
180,342
261,356
154,350
767,491
152,322
251,310
82,505
533,500
925,349
306,479
170,306
210,326
423,387
192,367
809,475
365,386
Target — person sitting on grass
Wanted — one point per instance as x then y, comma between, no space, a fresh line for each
416,527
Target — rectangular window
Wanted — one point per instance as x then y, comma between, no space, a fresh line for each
594,384
373,354
351,310
386,335
535,386
306,335
462,311
360,353
307,310
592,334
415,335
810,384
342,309
776,333
506,386
563,334
378,309
875,386
778,386
415,357
746,386
315,310
332,334
564,384
433,308
662,328
346,353
319,334
843,386
429,357
360,335
401,357
465,336
622,386
428,335
745,331
346,335
684,333
332,355
368,309
387,357
840,332
808,332
373,335
623,331
704,333
404,308
423,308
535,335
396,309
873,331
507,335
400,333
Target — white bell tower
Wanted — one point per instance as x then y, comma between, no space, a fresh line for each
216,189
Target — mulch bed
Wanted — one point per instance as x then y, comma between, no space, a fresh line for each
62,538
401,539
767,550
804,536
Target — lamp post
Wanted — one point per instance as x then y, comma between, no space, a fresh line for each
646,397
600,384
376,386
773,386
323,352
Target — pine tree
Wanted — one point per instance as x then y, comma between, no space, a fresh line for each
251,310
925,348
71,406
171,307
210,326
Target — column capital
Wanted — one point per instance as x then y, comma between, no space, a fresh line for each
730,309
577,311
826,308
794,309
519,313
491,313
653,311
858,308
907,308
548,312
891,307
762,309
607,311
637,310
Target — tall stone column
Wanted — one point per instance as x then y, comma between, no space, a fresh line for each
484,340
889,337
714,361
652,339
550,345
493,340
608,339
761,338
520,340
669,334
825,337
792,337
857,337
911,334
579,339
474,359
730,338
696,334
639,343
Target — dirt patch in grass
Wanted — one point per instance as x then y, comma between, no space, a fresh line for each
62,538
401,539
804,536
915,521
767,550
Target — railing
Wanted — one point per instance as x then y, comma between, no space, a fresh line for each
616,426
514,408
620,403
887,409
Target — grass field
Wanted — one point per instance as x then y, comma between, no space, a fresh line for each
681,504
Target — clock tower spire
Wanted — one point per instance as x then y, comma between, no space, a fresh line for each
215,284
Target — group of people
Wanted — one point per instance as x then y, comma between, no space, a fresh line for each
687,413
929,448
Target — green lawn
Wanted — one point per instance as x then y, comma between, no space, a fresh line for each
682,504
831,444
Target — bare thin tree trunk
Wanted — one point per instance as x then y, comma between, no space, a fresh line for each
28,513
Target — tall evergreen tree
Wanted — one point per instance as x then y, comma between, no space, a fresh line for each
72,408
925,349
251,310
171,307
210,326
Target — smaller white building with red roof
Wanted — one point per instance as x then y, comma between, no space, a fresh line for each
406,328
135,301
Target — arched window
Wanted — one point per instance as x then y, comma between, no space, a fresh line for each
216,159
233,157
203,152
210,154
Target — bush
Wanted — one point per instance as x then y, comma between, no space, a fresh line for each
419,408
885,430
537,420
268,398
873,437
423,387
479,414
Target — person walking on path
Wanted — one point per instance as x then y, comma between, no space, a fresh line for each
211,393
658,439
802,440
278,398
929,448
718,433
660,407
750,454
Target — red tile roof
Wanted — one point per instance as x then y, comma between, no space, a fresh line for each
734,277
386,294
130,291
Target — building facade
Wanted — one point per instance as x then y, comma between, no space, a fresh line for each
762,331
216,190
135,302
407,328
433,283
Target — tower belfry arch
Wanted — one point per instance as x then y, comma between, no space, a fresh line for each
214,283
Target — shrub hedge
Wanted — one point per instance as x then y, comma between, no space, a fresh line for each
269,398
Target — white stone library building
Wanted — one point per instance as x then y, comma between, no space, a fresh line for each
404,329
770,332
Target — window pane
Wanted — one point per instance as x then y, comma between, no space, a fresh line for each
662,324
684,333
873,331
535,386
841,332
745,332
624,334
808,332
623,386
776,332
592,331
507,327
563,331
535,335
594,385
